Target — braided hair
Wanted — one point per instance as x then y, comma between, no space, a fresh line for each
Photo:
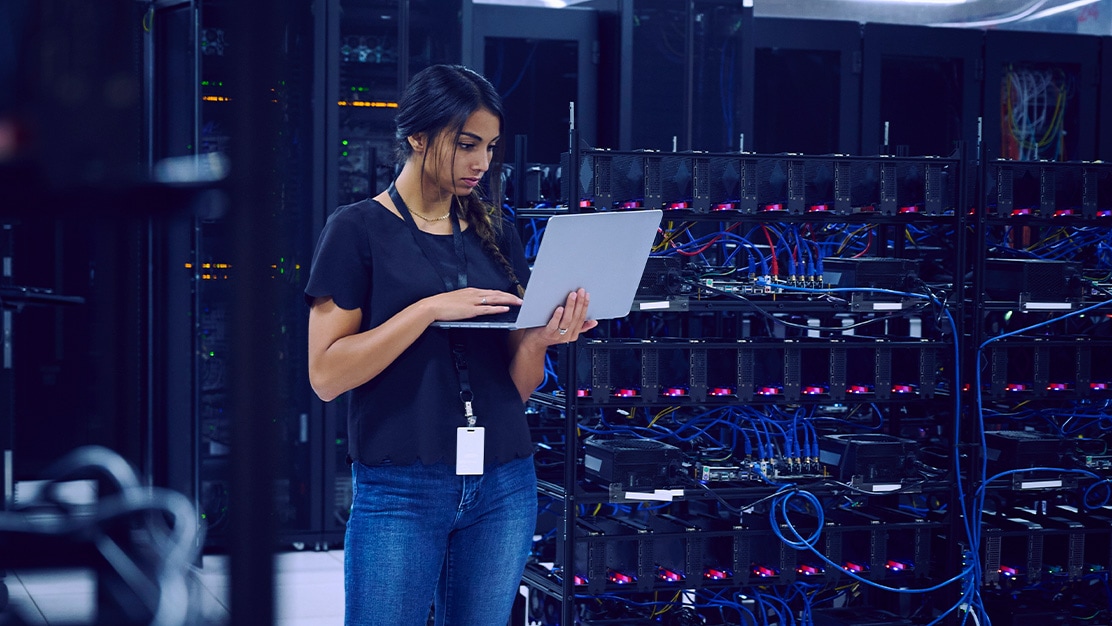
442,97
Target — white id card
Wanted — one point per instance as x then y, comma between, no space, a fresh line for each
469,450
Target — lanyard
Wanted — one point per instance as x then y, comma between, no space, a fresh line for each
458,358
457,242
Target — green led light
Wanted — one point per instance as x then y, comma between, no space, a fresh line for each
344,142
344,153
212,354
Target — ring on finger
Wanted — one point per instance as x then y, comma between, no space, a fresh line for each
562,331
483,301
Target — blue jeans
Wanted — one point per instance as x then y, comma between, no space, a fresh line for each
419,534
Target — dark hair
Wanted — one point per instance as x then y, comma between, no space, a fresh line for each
442,97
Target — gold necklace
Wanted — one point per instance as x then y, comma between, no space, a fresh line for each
432,219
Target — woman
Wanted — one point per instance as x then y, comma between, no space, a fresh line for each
425,524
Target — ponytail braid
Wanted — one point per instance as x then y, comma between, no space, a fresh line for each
483,218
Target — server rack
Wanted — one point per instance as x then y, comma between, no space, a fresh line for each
1033,345
634,513
194,59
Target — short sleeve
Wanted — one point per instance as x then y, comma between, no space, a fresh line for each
341,267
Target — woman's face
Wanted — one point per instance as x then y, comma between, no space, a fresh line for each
458,162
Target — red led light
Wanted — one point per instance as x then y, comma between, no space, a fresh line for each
679,205
856,568
675,392
583,392
584,204
668,575
725,206
1098,386
813,390
897,566
715,574
1020,212
768,391
773,206
1057,387
625,393
632,204
1008,572
1104,213
764,572
721,391
903,389
620,578
579,580
909,209
808,570
857,389
868,208
1015,387
819,208
1063,212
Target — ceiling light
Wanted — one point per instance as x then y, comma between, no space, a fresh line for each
1062,8
914,1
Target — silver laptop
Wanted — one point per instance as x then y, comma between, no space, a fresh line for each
604,253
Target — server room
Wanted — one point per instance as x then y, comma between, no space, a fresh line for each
805,300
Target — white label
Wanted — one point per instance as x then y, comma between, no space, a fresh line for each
887,487
592,463
1047,306
658,495
1040,484
470,443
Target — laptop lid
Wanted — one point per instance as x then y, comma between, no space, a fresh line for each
604,253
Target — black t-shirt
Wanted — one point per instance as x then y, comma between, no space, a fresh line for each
368,258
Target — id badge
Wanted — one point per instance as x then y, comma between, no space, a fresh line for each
470,443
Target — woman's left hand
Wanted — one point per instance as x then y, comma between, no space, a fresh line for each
567,322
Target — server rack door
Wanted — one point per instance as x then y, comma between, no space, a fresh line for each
920,89
806,94
1040,96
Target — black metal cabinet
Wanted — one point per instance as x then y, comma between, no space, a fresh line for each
1040,96
806,86
920,89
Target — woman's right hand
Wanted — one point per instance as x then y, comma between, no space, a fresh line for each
470,302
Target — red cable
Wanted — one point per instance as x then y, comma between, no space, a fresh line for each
771,251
